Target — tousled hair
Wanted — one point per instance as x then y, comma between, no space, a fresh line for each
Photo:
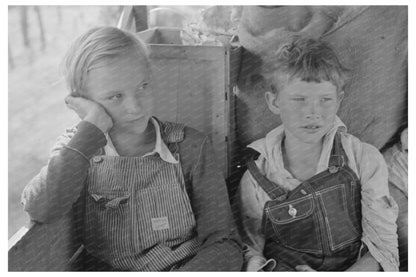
96,45
311,60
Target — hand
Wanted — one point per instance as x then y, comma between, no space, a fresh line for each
90,111
304,268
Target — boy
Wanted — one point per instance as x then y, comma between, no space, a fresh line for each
153,197
314,198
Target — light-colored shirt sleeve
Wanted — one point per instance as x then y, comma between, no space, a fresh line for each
379,210
251,213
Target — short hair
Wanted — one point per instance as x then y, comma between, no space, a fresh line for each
94,46
311,60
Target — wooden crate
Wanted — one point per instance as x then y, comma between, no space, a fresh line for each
194,85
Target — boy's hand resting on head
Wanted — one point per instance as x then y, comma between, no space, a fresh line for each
90,111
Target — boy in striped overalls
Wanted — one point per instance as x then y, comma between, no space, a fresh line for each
314,198
152,196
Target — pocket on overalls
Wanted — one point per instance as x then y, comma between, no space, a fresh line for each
294,224
338,221
164,214
108,224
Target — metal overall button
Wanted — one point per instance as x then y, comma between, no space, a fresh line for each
97,159
333,169
292,211
303,192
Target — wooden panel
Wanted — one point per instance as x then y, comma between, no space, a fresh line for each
190,87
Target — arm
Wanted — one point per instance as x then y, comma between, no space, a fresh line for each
250,223
51,193
220,250
379,210
365,263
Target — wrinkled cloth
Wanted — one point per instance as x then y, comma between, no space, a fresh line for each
397,162
160,146
379,210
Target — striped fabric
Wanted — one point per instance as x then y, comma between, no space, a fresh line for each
138,214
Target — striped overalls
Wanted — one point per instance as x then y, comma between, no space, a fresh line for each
137,212
319,222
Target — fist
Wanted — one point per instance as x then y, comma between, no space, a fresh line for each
90,111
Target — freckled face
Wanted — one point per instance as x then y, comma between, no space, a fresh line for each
308,109
122,85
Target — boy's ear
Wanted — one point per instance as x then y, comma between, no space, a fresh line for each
272,102
340,98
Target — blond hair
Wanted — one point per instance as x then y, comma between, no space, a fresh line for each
96,45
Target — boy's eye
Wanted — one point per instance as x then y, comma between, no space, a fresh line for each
115,96
326,99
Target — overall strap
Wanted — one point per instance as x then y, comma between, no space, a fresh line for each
273,190
338,157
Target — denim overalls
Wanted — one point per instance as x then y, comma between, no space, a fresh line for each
319,222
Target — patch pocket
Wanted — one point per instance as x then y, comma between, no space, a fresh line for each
338,221
294,224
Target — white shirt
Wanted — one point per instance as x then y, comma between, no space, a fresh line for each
160,146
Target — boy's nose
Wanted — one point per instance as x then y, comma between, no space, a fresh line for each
313,110
133,105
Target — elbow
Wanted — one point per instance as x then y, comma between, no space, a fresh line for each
41,211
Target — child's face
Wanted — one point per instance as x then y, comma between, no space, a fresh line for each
307,109
123,87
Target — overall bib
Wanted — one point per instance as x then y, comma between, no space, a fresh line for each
319,222
137,212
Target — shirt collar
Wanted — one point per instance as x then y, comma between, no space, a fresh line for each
160,146
270,147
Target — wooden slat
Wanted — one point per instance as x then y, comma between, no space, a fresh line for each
140,18
190,86
126,19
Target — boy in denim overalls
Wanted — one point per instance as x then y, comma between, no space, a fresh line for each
314,198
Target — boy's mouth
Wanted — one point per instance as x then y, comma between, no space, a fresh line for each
311,127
